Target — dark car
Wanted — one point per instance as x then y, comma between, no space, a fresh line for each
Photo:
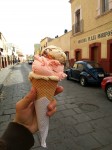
106,85
86,72
30,61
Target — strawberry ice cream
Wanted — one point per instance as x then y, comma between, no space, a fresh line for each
45,68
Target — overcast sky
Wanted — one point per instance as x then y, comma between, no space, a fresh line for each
26,22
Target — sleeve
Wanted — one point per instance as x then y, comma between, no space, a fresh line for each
16,137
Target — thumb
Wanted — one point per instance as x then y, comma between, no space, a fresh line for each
23,103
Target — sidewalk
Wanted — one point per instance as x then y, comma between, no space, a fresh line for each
4,74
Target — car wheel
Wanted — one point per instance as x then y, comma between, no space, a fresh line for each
68,76
109,92
83,81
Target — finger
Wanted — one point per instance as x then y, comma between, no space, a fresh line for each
31,106
23,103
52,105
50,113
59,89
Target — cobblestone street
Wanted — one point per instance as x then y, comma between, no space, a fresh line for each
83,120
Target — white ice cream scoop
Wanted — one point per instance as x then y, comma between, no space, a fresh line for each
54,52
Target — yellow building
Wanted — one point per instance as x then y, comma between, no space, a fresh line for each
44,42
91,37
36,49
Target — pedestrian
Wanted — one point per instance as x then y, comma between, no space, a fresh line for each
18,60
19,133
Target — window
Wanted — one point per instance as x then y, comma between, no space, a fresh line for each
77,25
67,55
93,65
75,66
105,5
80,66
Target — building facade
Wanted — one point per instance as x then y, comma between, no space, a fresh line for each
44,42
12,56
36,49
3,51
92,31
8,53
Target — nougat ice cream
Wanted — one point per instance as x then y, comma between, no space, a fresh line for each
55,53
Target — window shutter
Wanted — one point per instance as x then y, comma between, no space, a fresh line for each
110,4
106,5
98,8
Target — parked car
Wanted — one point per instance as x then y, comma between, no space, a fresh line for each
30,61
106,85
86,72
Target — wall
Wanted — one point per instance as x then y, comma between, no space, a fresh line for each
96,31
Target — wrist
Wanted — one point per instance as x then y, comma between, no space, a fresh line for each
22,124
17,136
32,128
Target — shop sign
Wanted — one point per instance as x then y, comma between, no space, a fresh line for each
95,37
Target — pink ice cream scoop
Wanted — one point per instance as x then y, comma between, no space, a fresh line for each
48,67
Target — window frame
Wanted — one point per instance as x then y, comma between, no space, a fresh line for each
100,10
79,29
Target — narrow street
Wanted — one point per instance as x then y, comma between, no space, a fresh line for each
83,120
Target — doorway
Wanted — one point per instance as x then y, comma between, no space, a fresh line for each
109,54
78,55
95,52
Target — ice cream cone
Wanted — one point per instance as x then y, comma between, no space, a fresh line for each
47,71
45,92
45,88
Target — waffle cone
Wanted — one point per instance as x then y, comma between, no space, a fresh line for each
45,88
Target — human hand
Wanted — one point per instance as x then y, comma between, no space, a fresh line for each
25,110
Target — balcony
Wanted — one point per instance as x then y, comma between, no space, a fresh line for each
78,27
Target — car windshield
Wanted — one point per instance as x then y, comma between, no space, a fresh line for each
91,65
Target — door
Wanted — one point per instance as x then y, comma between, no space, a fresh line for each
111,57
94,54
78,55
